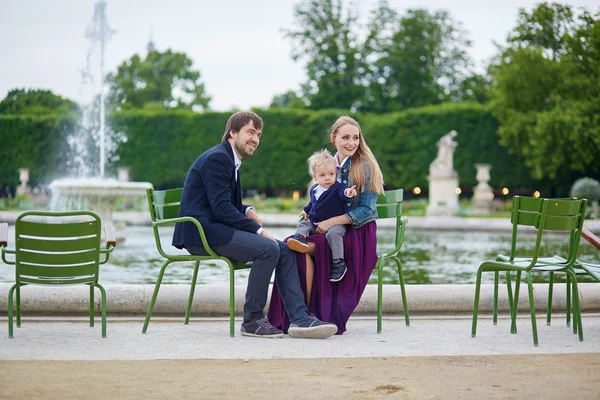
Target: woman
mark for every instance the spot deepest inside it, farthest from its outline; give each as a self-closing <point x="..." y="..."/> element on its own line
<point x="335" y="302"/>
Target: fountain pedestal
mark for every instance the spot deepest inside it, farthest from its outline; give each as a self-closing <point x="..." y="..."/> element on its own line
<point x="482" y="194"/>
<point x="98" y="195"/>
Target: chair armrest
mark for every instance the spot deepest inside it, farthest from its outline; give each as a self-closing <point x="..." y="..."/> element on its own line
<point x="587" y="235"/>
<point x="4" y="234"/>
<point x="194" y="221"/>
<point x="110" y="236"/>
<point x="4" y="243"/>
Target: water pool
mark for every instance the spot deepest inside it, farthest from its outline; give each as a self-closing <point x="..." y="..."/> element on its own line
<point x="428" y="257"/>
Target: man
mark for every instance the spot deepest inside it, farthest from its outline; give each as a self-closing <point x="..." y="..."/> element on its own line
<point x="212" y="195"/>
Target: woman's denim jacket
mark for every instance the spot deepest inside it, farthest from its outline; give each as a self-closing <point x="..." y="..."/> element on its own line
<point x="360" y="209"/>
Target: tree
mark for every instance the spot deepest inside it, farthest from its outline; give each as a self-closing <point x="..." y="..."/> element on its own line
<point x="326" y="40"/>
<point x="166" y="79"/>
<point x="288" y="99"/>
<point x="546" y="91"/>
<point x="424" y="61"/>
<point x="24" y="101"/>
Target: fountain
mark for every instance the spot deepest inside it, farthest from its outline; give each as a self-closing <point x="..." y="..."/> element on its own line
<point x="95" y="193"/>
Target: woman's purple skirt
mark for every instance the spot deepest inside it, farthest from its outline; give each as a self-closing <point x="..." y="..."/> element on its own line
<point x="333" y="301"/>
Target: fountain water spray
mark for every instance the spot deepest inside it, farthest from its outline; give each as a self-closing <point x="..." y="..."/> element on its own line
<point x="95" y="193"/>
<point x="99" y="32"/>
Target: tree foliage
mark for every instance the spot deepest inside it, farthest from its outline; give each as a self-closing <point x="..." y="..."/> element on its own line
<point x="547" y="90"/>
<point x="423" y="62"/>
<point x="288" y="99"/>
<point x="417" y="59"/>
<point x="164" y="80"/>
<point x="24" y="101"/>
<point x="326" y="40"/>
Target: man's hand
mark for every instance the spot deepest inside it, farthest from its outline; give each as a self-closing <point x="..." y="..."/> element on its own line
<point x="267" y="235"/>
<point x="253" y="215"/>
<point x="351" y="191"/>
<point x="303" y="216"/>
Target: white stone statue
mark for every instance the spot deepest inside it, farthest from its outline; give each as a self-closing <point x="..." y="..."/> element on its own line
<point x="23" y="189"/>
<point x="443" y="179"/>
<point x="444" y="162"/>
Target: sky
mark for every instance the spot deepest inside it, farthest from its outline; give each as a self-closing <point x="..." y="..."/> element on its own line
<point x="237" y="45"/>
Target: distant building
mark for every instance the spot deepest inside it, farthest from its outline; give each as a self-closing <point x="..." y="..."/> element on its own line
<point x="151" y="46"/>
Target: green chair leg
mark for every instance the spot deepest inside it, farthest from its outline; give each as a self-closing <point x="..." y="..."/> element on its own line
<point x="10" y="309"/>
<point x="103" y="292"/>
<point x="568" y="307"/>
<point x="403" y="290"/>
<point x="188" y="311"/>
<point x="379" y="267"/>
<point x="509" y="292"/>
<point x="91" y="305"/>
<point x="231" y="300"/>
<point x="155" y="295"/>
<point x="515" y="303"/>
<point x="476" y="305"/>
<point x="495" y="307"/>
<point x="532" y="309"/>
<point x="576" y="307"/>
<point x="550" y="290"/>
<point x="18" y="306"/>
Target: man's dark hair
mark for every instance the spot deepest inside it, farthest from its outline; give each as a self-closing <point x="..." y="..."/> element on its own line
<point x="238" y="120"/>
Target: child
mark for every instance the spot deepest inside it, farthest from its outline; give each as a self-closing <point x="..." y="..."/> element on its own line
<point x="327" y="198"/>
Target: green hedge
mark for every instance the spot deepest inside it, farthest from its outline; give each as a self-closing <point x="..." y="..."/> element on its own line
<point x="34" y="142"/>
<point x="161" y="146"/>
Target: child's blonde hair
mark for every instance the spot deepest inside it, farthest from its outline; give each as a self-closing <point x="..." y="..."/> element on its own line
<point x="319" y="158"/>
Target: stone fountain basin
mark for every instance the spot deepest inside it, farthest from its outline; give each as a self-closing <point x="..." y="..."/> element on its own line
<point x="99" y="187"/>
<point x="98" y="195"/>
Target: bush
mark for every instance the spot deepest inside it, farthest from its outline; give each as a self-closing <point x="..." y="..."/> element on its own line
<point x="587" y="188"/>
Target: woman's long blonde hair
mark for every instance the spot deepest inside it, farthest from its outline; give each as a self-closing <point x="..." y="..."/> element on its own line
<point x="363" y="154"/>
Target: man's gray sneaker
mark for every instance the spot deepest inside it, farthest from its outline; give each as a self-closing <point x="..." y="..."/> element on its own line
<point x="311" y="328"/>
<point x="260" y="328"/>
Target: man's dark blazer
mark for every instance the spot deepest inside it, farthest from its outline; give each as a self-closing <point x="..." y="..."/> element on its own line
<point x="212" y="195"/>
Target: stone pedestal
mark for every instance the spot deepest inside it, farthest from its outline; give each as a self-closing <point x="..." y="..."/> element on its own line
<point x="123" y="174"/>
<point x="482" y="194"/>
<point x="443" y="200"/>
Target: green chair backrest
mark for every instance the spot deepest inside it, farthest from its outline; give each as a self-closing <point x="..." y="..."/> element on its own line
<point x="57" y="248"/>
<point x="164" y="204"/>
<point x="389" y="205"/>
<point x="548" y="215"/>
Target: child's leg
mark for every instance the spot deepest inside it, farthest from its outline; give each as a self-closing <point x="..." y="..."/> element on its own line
<point x="305" y="228"/>
<point x="335" y="239"/>
<point x="298" y="241"/>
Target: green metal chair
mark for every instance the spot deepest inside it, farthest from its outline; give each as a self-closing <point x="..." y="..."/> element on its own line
<point x="556" y="259"/>
<point x="164" y="209"/>
<point x="582" y="267"/>
<point x="56" y="249"/>
<point x="585" y="267"/>
<point x="543" y="215"/>
<point x="389" y="205"/>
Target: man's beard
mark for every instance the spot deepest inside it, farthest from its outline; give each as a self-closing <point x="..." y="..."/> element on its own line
<point x="241" y="149"/>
